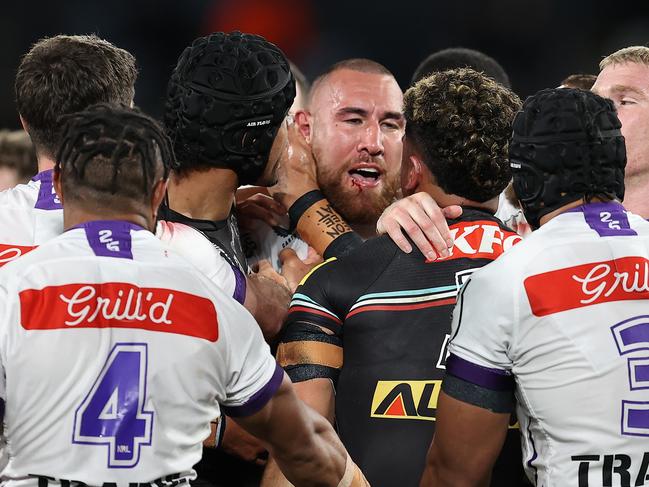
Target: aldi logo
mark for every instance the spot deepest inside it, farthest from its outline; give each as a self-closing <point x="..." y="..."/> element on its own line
<point x="415" y="399"/>
<point x="412" y="399"/>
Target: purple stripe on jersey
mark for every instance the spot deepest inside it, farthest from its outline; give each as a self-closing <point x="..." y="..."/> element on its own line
<point x="530" y="462"/>
<point x="495" y="379"/>
<point x="110" y="238"/>
<point x="607" y="219"/>
<point x="259" y="399"/>
<point x="240" y="285"/>
<point x="47" y="198"/>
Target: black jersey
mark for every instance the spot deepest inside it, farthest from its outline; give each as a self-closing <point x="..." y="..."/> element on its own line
<point x="224" y="234"/>
<point x="377" y="322"/>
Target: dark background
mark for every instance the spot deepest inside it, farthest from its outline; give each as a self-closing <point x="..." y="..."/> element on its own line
<point x="539" y="42"/>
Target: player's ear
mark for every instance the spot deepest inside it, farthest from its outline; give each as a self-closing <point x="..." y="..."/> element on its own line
<point x="413" y="174"/>
<point x="303" y="120"/>
<point x="23" y="123"/>
<point x="158" y="194"/>
<point x="56" y="182"/>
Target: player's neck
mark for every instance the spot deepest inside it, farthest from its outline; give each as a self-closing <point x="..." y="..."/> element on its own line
<point x="635" y="195"/>
<point x="44" y="163"/>
<point x="444" y="199"/>
<point x="74" y="215"/>
<point x="203" y="195"/>
<point x="546" y="218"/>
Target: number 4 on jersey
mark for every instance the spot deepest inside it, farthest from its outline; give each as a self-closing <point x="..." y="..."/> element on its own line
<point x="112" y="412"/>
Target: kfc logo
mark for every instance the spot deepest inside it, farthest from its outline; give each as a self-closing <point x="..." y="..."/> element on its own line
<point x="480" y="240"/>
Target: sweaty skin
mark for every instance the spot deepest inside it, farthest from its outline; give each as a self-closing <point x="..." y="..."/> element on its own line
<point x="627" y="84"/>
<point x="359" y="172"/>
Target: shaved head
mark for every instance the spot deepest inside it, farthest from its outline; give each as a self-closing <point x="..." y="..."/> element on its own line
<point x="355" y="125"/>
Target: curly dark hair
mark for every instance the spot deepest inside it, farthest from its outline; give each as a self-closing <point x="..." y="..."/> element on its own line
<point x="461" y="122"/>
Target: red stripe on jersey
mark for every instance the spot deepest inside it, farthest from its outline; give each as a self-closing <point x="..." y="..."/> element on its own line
<point x="118" y="305"/>
<point x="621" y="279"/>
<point x="12" y="252"/>
<point x="294" y="309"/>
<point x="480" y="239"/>
<point x="402" y="307"/>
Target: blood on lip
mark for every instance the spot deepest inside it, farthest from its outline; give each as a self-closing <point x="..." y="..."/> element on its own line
<point x="363" y="182"/>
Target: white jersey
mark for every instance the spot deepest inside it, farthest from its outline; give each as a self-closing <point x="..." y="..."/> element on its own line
<point x="512" y="217"/>
<point x="566" y="313"/>
<point x="197" y="249"/>
<point x="261" y="241"/>
<point x="116" y="354"/>
<point x="31" y="214"/>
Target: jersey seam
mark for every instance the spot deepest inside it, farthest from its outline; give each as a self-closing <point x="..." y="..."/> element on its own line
<point x="379" y="275"/>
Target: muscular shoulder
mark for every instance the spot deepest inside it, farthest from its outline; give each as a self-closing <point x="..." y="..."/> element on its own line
<point x="190" y="244"/>
<point x="342" y="279"/>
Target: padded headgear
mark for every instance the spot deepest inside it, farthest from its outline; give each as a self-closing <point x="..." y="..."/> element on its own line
<point x="566" y="145"/>
<point x="226" y="99"/>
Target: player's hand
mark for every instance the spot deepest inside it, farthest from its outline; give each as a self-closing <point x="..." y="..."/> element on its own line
<point x="245" y="192"/>
<point x="238" y="442"/>
<point x="423" y="220"/>
<point x="262" y="207"/>
<point x="265" y="269"/>
<point x="296" y="174"/>
<point x="294" y="268"/>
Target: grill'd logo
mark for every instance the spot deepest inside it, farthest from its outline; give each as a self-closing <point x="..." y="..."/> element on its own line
<point x="623" y="279"/>
<point x="415" y="399"/>
<point x="118" y="305"/>
<point x="12" y="252"/>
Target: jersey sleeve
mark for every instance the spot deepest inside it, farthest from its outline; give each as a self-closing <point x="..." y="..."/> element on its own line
<point x="311" y="344"/>
<point x="195" y="248"/>
<point x="253" y="375"/>
<point x="478" y="369"/>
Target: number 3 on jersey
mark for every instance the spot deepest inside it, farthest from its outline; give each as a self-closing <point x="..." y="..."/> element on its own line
<point x="632" y="337"/>
<point x="112" y="413"/>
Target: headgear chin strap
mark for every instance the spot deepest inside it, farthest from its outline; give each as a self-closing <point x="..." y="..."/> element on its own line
<point x="566" y="145"/>
<point x="226" y="100"/>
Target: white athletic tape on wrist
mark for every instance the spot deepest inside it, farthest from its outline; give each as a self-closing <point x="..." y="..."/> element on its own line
<point x="348" y="477"/>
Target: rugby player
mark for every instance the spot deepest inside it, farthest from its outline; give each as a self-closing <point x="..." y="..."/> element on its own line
<point x="624" y="78"/>
<point x="59" y="75"/>
<point x="461" y="57"/>
<point x="225" y="113"/>
<point x="264" y="223"/>
<point x="18" y="163"/>
<point x="566" y="336"/>
<point x="384" y="310"/>
<point x="326" y="186"/>
<point x="115" y="353"/>
<point x="579" y="80"/>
